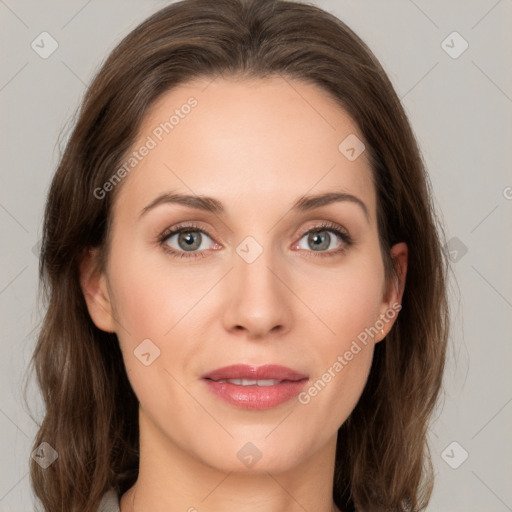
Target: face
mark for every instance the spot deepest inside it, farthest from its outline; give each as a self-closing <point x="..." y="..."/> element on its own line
<point x="257" y="280"/>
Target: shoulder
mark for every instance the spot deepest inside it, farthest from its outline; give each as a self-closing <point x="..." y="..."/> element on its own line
<point x="109" y="502"/>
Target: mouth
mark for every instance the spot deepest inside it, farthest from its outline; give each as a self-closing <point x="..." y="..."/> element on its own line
<point x="251" y="382"/>
<point x="250" y="387"/>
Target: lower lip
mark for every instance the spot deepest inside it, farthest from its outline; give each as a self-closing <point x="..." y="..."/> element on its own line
<point x="256" y="397"/>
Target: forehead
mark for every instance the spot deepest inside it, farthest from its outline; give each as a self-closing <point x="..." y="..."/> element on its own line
<point x="247" y="142"/>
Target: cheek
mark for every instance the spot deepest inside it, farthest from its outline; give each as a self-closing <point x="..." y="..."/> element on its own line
<point x="148" y="300"/>
<point x="349" y="307"/>
<point x="347" y="299"/>
<point x="343" y="359"/>
<point x="151" y="305"/>
<point x="340" y="387"/>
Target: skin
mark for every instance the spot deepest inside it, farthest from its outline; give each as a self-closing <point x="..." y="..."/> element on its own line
<point x="256" y="146"/>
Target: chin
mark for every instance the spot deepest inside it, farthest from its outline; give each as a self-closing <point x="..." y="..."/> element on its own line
<point x="254" y="457"/>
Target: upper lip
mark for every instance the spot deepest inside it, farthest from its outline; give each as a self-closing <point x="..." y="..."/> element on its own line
<point x="244" y="371"/>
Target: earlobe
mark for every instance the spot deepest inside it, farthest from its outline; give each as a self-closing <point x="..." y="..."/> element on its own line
<point x="94" y="287"/>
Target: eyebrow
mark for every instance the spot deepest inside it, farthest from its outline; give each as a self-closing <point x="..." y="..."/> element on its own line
<point x="209" y="204"/>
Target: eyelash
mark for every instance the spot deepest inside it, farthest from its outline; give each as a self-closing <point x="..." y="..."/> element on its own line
<point x="324" y="226"/>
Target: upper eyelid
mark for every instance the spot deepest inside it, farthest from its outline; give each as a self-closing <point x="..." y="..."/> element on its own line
<point x="324" y="225"/>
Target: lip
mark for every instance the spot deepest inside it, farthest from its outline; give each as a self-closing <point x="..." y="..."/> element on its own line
<point x="253" y="396"/>
<point x="244" y="371"/>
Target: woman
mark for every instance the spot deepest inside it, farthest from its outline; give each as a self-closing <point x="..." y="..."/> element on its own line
<point x="243" y="268"/>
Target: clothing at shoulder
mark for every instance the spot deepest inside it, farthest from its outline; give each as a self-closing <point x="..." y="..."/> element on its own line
<point x="109" y="502"/>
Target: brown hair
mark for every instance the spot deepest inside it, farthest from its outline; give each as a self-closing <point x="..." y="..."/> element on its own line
<point x="382" y="459"/>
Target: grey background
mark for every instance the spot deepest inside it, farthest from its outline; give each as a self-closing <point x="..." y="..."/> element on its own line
<point x="460" y="110"/>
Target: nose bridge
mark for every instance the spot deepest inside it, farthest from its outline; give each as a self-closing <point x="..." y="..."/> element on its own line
<point x="258" y="299"/>
<point x="254" y="263"/>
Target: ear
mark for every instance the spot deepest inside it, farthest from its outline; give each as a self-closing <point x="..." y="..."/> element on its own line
<point x="392" y="302"/>
<point x="95" y="290"/>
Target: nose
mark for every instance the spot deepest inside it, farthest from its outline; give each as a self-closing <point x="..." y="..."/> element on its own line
<point x="259" y="300"/>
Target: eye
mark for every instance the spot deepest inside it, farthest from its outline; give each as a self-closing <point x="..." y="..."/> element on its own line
<point x="324" y="244"/>
<point x="189" y="241"/>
